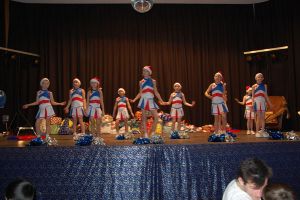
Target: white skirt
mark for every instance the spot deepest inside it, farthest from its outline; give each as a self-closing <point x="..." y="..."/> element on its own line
<point x="259" y="105"/>
<point x="249" y="114"/>
<point x="122" y="114"/>
<point x="177" y="113"/>
<point x="219" y="108"/>
<point x="94" y="112"/>
<point x="147" y="104"/>
<point x="45" y="112"/>
<point x="77" y="112"/>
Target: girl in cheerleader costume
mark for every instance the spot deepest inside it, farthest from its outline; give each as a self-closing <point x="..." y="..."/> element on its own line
<point x="45" y="100"/>
<point x="121" y="105"/>
<point x="259" y="98"/>
<point x="176" y="99"/>
<point x="146" y="95"/>
<point x="94" y="105"/>
<point x="76" y="105"/>
<point x="249" y="113"/>
<point x="217" y="93"/>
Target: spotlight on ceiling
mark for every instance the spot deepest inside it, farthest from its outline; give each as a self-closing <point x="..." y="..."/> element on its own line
<point x="142" y="6"/>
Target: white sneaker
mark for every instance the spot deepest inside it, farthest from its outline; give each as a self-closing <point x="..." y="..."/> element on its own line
<point x="264" y="134"/>
<point x="252" y="132"/>
<point x="257" y="134"/>
<point x="248" y="132"/>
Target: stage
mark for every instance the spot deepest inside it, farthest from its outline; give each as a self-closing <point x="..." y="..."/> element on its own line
<point x="179" y="169"/>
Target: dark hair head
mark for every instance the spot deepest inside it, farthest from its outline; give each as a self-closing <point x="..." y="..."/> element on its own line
<point x="278" y="192"/>
<point x="20" y="190"/>
<point x="255" y="171"/>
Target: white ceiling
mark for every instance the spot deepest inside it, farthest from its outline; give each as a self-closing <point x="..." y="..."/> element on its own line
<point x="156" y="1"/>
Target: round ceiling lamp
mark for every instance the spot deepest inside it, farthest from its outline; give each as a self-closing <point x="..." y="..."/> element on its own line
<point x="142" y="6"/>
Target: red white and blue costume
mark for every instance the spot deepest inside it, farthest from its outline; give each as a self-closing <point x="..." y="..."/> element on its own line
<point x="45" y="107"/>
<point x="122" y="108"/>
<point x="176" y="108"/>
<point x="94" y="109"/>
<point x="259" y="103"/>
<point x="147" y="97"/>
<point x="249" y="113"/>
<point x="218" y="106"/>
<point x="77" y="103"/>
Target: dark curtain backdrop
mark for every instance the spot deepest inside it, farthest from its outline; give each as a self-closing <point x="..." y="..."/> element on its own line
<point x="183" y="43"/>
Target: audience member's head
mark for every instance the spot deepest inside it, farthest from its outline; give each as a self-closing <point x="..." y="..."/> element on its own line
<point x="253" y="177"/>
<point x="278" y="192"/>
<point x="20" y="190"/>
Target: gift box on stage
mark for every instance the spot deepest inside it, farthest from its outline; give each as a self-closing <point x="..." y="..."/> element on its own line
<point x="167" y="129"/>
<point x="43" y="125"/>
<point x="55" y="120"/>
<point x="64" y="129"/>
<point x="138" y="115"/>
<point x="54" y="129"/>
<point x="107" y="119"/>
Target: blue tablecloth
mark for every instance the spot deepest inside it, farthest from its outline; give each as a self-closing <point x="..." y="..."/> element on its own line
<point x="143" y="172"/>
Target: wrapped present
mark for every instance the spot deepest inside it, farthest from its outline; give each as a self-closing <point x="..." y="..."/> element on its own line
<point x="43" y="126"/>
<point x="138" y="115"/>
<point x="133" y="123"/>
<point x="67" y="122"/>
<point x="55" y="120"/>
<point x="65" y="127"/>
<point x="159" y="129"/>
<point x="184" y="135"/>
<point x="54" y="129"/>
<point x="107" y="119"/>
<point x="167" y="129"/>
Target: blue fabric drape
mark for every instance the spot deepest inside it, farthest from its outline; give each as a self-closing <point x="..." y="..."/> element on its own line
<point x="143" y="172"/>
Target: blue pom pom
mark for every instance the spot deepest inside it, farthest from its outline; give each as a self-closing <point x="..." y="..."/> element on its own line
<point x="165" y="117"/>
<point x="146" y="140"/>
<point x="85" y="140"/>
<point x="141" y="141"/>
<point x="138" y="141"/>
<point x="36" y="142"/>
<point x="175" y="135"/>
<point x="231" y="134"/>
<point x="157" y="139"/>
<point x="120" y="137"/>
<point x="275" y="134"/>
<point x="216" y="138"/>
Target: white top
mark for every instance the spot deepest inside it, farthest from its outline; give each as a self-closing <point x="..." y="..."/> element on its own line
<point x="234" y="192"/>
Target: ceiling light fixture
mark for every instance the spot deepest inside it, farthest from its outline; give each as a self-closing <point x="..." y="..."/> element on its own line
<point x="142" y="6"/>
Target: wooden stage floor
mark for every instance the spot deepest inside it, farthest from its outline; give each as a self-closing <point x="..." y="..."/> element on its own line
<point x="109" y="139"/>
